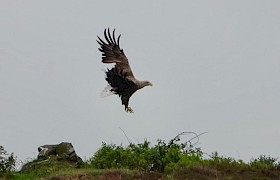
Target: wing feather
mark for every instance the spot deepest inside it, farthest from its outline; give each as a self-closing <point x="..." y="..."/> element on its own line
<point x="114" y="37"/>
<point x="112" y="53"/>
<point x="119" y="40"/>
<point x="111" y="40"/>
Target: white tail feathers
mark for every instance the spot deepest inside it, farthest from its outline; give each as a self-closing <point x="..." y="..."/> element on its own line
<point x="107" y="91"/>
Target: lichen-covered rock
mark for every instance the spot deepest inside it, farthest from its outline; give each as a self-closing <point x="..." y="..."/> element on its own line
<point x="64" y="149"/>
<point x="46" y="151"/>
<point x="54" y="153"/>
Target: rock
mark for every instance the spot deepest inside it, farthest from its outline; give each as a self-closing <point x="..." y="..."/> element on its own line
<point x="54" y="153"/>
<point x="46" y="151"/>
<point x="64" y="149"/>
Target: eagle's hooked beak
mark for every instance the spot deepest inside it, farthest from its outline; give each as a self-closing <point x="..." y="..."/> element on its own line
<point x="150" y="84"/>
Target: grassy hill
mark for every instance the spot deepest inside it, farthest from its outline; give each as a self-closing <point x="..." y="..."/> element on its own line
<point x="54" y="170"/>
<point x="172" y="160"/>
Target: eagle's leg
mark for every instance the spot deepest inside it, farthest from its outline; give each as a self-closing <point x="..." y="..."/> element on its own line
<point x="128" y="109"/>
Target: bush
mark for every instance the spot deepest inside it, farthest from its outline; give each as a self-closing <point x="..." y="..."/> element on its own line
<point x="140" y="156"/>
<point x="264" y="162"/>
<point x="186" y="160"/>
<point x="224" y="163"/>
<point x="7" y="163"/>
<point x="171" y="156"/>
<point x="143" y="156"/>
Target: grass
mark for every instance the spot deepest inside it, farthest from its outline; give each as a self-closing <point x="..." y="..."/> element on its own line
<point x="191" y="172"/>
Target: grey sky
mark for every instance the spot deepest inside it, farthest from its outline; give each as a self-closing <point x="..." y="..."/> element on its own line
<point x="214" y="65"/>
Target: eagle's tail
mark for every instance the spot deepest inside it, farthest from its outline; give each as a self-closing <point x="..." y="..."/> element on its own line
<point x="107" y="91"/>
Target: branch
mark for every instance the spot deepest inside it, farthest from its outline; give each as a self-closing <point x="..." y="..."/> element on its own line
<point x="125" y="135"/>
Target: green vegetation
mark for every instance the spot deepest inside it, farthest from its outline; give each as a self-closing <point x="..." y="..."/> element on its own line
<point x="172" y="160"/>
<point x="144" y="157"/>
<point x="7" y="162"/>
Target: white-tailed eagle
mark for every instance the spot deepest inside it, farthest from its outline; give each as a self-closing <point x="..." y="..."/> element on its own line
<point x="120" y="78"/>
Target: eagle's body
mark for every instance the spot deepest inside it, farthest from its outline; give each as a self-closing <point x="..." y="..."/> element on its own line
<point x="120" y="78"/>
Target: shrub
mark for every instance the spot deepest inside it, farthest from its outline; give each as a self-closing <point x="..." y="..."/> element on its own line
<point x="133" y="156"/>
<point x="7" y="162"/>
<point x="173" y="156"/>
<point x="264" y="162"/>
<point x="223" y="163"/>
<point x="143" y="156"/>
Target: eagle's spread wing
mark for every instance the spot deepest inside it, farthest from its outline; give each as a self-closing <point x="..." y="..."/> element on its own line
<point x="112" y="53"/>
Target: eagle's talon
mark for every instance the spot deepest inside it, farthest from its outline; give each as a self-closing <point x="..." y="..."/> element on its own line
<point x="129" y="110"/>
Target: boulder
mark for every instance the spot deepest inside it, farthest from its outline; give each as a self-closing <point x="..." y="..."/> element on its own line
<point x="64" y="149"/>
<point x="52" y="154"/>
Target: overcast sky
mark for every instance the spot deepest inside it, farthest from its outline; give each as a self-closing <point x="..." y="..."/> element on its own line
<point x="215" y="67"/>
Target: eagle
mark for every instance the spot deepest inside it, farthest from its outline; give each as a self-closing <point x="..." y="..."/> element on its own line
<point x="120" y="78"/>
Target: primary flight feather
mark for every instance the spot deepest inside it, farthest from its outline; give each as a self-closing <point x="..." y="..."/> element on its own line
<point x="120" y="78"/>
